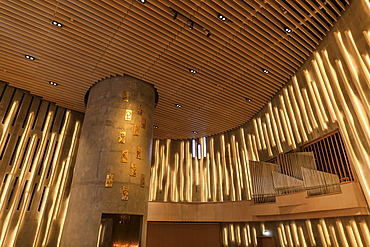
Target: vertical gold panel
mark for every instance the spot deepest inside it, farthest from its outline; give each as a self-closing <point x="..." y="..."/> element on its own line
<point x="342" y="234"/>
<point x="133" y="170"/>
<point x="125" y="96"/>
<point x="109" y="180"/>
<point x="124" y="156"/>
<point x="139" y="153"/>
<point x="139" y="109"/>
<point x="142" y="181"/>
<point x="125" y="193"/>
<point x="136" y="129"/>
<point x="128" y="115"/>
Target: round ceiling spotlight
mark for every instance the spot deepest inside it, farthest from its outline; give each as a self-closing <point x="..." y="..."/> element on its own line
<point x="53" y="83"/>
<point x="142" y="1"/>
<point x="265" y="71"/>
<point x="221" y="17"/>
<point x="58" y="24"/>
<point x="248" y="99"/>
<point x="193" y="71"/>
<point x="178" y="106"/>
<point x="155" y="126"/>
<point x="29" y="57"/>
<point x="195" y="132"/>
<point x="287" y="29"/>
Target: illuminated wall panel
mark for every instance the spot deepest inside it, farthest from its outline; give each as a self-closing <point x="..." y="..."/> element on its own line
<point x="37" y="155"/>
<point x="330" y="91"/>
<point x="339" y="232"/>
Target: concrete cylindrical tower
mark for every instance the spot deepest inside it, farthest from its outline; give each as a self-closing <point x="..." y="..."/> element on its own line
<point x="113" y="161"/>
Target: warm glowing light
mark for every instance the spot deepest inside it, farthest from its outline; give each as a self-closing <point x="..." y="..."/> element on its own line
<point x="333" y="236"/>
<point x="256" y="131"/>
<point x="259" y="124"/>
<point x="342" y="235"/>
<point x="365" y="232"/>
<point x="310" y="233"/>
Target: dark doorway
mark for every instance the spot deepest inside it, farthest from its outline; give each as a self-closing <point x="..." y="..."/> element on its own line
<point x="120" y="230"/>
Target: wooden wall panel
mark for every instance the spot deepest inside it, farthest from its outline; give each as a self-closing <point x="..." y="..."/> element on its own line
<point x="183" y="234"/>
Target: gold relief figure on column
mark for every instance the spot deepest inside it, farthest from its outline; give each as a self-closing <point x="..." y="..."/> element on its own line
<point x="142" y="181"/>
<point x="128" y="115"/>
<point x="139" y="109"/>
<point x="122" y="137"/>
<point x="109" y="180"/>
<point x="124" y="157"/>
<point x="143" y="123"/>
<point x="125" y="96"/>
<point x="133" y="170"/>
<point x="125" y="193"/>
<point x="139" y="153"/>
<point x="136" y="129"/>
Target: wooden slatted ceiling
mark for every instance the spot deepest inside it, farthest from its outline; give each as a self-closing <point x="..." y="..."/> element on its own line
<point x="114" y="37"/>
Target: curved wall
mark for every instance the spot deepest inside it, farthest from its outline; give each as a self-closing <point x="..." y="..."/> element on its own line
<point x="331" y="91"/>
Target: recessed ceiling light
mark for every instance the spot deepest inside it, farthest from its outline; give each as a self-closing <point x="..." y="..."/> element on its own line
<point x="58" y="24"/>
<point x="195" y="132"/>
<point x="53" y="83"/>
<point x="221" y="17"/>
<point x="247" y="99"/>
<point x="287" y="29"/>
<point x="265" y="71"/>
<point x="142" y="1"/>
<point x="177" y="105"/>
<point x="29" y="57"/>
<point x="193" y="71"/>
<point x="155" y="126"/>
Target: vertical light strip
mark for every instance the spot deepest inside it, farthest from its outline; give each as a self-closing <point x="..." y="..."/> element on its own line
<point x="291" y="119"/>
<point x="315" y="100"/>
<point x="238" y="187"/>
<point x="257" y="134"/>
<point x="232" y="233"/>
<point x="238" y="235"/>
<point x="6" y="125"/>
<point x="351" y="235"/>
<point x="309" y="109"/>
<point x="193" y="148"/>
<point x="225" y="236"/>
<point x="281" y="239"/>
<point x="367" y="35"/>
<point x="297" y="114"/>
<point x="15" y="166"/>
<point x="221" y="172"/>
<point x="301" y="103"/>
<point x="325" y="84"/>
<point x="320" y="104"/>
<point x="322" y="236"/>
<point x="199" y="151"/>
<point x="174" y="179"/>
<point x="259" y="124"/>
<point x="365" y="71"/>
<point x="333" y="236"/>
<point x="286" y="123"/>
<point x="232" y="192"/>
<point x="289" y="236"/>
<point x="342" y="235"/>
<point x="275" y="129"/>
<point x="285" y="127"/>
<point x="33" y="175"/>
<point x="302" y="237"/>
<point x="223" y="155"/>
<point x="280" y="126"/>
<point x="365" y="232"/>
<point x="162" y="167"/>
<point x="283" y="234"/>
<point x="182" y="175"/>
<point x="356" y="232"/>
<point x="214" y="169"/>
<point x="255" y="147"/>
<point x="295" y="234"/>
<point x="310" y="233"/>
<point x="267" y="139"/>
<point x="239" y="164"/>
<point x="245" y="236"/>
<point x="326" y="232"/>
<point x="8" y="236"/>
<point x="196" y="166"/>
<point x="269" y="130"/>
<point x="204" y="147"/>
<point x="254" y="236"/>
<point x="247" y="177"/>
<point x="353" y="70"/>
<point x="250" y="148"/>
